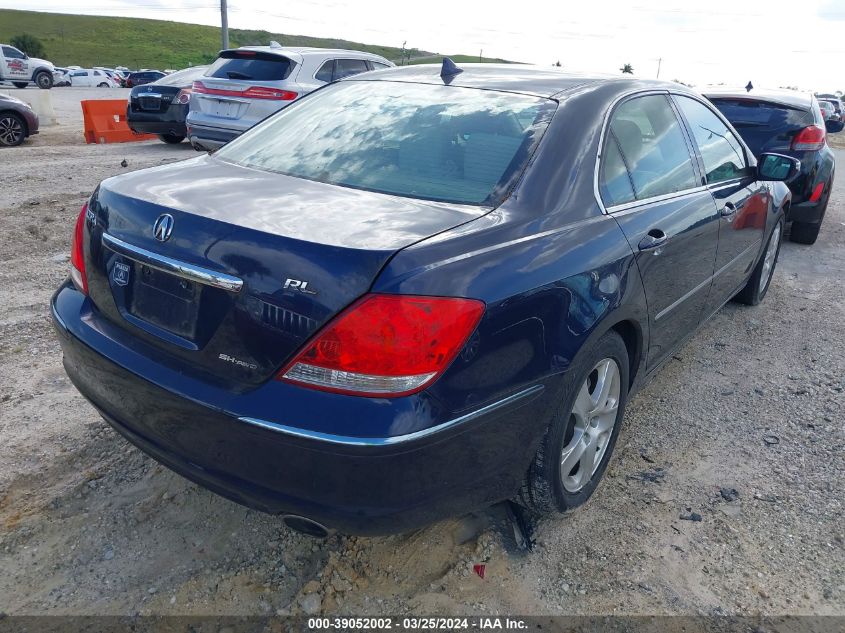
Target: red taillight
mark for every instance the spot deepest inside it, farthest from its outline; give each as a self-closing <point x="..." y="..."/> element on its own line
<point x="253" y="92"/>
<point x="386" y="345"/>
<point x="77" y="259"/>
<point x="184" y="96"/>
<point x="817" y="192"/>
<point x="810" y="139"/>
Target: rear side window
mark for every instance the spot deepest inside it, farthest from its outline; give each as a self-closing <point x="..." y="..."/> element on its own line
<point x="615" y="183"/>
<point x="721" y="151"/>
<point x="326" y="71"/>
<point x="250" y="66"/>
<point x="348" y="67"/>
<point x="652" y="146"/>
<point x="458" y="145"/>
<point x="378" y="65"/>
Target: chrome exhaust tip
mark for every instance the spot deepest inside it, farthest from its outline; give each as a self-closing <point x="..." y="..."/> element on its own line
<point x="305" y="526"/>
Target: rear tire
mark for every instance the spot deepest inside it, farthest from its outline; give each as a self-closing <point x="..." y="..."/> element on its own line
<point x="12" y="129"/>
<point x="172" y="139"/>
<point x="20" y="84"/>
<point x="804" y="232"/>
<point x="103" y="85"/>
<point x="582" y="431"/>
<point x="761" y="278"/>
<point x="44" y="80"/>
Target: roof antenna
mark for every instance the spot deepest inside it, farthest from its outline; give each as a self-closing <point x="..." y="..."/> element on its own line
<point x="749" y="87"/>
<point x="449" y="70"/>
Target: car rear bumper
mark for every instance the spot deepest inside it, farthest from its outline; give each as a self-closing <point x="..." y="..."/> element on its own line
<point x="355" y="485"/>
<point x="209" y="138"/>
<point x="167" y="122"/>
<point x="808" y="212"/>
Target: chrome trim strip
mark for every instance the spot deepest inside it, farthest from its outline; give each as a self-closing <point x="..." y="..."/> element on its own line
<point x="679" y="301"/>
<point x="627" y="207"/>
<point x="348" y="440"/>
<point x="174" y="266"/>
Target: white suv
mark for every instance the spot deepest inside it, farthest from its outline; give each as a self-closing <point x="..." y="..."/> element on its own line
<point x="246" y="85"/>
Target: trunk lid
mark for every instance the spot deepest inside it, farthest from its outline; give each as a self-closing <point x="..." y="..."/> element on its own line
<point x="303" y="251"/>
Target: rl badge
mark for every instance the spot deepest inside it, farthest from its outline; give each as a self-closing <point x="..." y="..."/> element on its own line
<point x="120" y="273"/>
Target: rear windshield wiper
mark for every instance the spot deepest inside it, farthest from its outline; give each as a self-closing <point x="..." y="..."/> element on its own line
<point x="234" y="74"/>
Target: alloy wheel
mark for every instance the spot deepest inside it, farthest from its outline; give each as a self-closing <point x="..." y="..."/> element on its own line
<point x="769" y="259"/>
<point x="591" y="425"/>
<point x="11" y="130"/>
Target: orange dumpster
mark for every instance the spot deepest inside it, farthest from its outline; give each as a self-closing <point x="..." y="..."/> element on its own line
<point x="104" y="121"/>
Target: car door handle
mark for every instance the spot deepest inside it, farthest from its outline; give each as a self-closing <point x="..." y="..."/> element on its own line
<point x="653" y="239"/>
<point x="728" y="210"/>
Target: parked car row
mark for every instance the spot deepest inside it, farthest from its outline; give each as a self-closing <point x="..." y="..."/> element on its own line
<point x="415" y="292"/>
<point x="242" y="87"/>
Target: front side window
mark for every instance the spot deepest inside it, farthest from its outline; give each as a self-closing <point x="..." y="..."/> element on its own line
<point x="378" y="65"/>
<point x="452" y="144"/>
<point x="721" y="151"/>
<point x="12" y="53"/>
<point x="652" y="146"/>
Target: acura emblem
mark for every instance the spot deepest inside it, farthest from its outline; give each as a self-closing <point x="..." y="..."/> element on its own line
<point x="163" y="227"/>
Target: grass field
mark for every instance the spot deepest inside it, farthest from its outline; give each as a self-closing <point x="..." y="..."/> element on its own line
<point x="86" y="40"/>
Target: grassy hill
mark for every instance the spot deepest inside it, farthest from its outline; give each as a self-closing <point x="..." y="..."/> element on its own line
<point x="87" y="40"/>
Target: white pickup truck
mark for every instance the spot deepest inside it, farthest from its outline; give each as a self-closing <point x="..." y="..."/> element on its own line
<point x="21" y="69"/>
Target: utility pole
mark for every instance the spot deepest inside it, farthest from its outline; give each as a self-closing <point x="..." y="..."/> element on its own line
<point x="224" y="24"/>
<point x="480" y="53"/>
<point x="659" y="61"/>
<point x="402" y="62"/>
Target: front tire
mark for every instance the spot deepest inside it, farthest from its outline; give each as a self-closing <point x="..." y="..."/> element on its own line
<point x="44" y="80"/>
<point x="12" y="129"/>
<point x="172" y="139"/>
<point x="761" y="278"/>
<point x="578" y="444"/>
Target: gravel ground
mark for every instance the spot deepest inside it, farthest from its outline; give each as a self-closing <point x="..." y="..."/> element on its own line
<point x="744" y="427"/>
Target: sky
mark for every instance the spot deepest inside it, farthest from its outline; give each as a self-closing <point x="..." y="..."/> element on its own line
<point x="772" y="43"/>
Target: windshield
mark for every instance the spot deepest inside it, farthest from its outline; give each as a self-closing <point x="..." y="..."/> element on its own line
<point x="456" y="145"/>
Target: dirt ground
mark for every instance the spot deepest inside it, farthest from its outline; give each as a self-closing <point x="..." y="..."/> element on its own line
<point x="90" y="525"/>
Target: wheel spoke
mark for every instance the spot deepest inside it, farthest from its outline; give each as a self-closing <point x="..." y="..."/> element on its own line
<point x="587" y="461"/>
<point x="605" y="422"/>
<point x="572" y="453"/>
<point x="583" y="403"/>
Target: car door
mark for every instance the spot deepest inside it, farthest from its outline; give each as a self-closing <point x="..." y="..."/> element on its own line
<point x="17" y="63"/>
<point x="79" y="78"/>
<point x="650" y="183"/>
<point x="741" y="200"/>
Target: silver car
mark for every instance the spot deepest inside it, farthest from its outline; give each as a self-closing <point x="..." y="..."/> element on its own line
<point x="245" y="85"/>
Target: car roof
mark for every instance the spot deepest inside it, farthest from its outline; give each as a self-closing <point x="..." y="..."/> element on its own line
<point x="300" y="52"/>
<point x="519" y="78"/>
<point x="790" y="98"/>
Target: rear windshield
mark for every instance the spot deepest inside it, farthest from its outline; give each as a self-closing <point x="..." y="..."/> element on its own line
<point x="250" y="66"/>
<point x="457" y="145"/>
<point x="182" y="77"/>
<point x="759" y="113"/>
<point x="762" y="124"/>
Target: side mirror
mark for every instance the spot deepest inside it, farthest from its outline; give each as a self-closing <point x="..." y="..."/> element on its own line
<point x="834" y="127"/>
<point x="777" y="167"/>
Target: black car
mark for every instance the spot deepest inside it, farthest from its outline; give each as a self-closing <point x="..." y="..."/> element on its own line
<point x="161" y="107"/>
<point x="790" y="123"/>
<point x="416" y="291"/>
<point x="143" y="77"/>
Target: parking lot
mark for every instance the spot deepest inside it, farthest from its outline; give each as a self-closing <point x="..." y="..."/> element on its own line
<point x="753" y="403"/>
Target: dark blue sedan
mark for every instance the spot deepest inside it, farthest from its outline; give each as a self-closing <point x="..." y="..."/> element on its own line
<point x="417" y="291"/>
